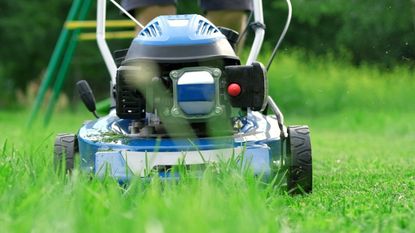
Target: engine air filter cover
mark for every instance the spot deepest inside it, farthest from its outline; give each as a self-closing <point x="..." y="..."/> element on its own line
<point x="196" y="93"/>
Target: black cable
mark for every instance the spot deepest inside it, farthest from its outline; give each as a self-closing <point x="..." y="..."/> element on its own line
<point x="95" y="114"/>
<point x="245" y="30"/>
<point x="284" y="32"/>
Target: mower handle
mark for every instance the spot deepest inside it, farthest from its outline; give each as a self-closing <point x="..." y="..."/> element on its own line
<point x="109" y="60"/>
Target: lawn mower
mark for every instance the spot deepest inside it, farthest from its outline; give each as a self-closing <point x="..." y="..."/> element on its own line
<point x="180" y="95"/>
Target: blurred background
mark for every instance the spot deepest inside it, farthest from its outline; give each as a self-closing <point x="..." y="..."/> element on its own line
<point x="346" y="69"/>
<point x="353" y="34"/>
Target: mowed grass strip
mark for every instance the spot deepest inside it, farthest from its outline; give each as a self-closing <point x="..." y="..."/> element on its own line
<point x="364" y="171"/>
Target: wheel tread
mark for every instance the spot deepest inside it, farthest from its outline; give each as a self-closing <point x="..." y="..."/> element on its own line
<point x="65" y="147"/>
<point x="299" y="162"/>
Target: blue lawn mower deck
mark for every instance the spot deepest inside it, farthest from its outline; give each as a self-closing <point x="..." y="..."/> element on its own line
<point x="181" y="96"/>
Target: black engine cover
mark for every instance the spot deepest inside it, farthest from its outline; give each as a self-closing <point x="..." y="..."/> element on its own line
<point x="254" y="85"/>
<point x="131" y="103"/>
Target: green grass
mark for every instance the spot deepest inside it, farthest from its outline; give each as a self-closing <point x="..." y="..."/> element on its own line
<point x="325" y="86"/>
<point x="363" y="139"/>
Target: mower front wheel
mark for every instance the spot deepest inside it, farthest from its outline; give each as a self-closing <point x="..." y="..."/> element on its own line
<point x="299" y="160"/>
<point x="65" y="149"/>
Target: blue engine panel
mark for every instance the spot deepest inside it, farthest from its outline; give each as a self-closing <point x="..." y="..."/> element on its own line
<point x="180" y="38"/>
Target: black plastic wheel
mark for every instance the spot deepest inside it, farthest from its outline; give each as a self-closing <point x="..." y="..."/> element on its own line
<point x="299" y="160"/>
<point x="65" y="149"/>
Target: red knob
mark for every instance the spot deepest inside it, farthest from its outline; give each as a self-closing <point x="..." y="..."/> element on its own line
<point x="234" y="89"/>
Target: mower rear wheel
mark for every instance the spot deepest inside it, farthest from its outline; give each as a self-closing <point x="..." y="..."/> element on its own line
<point x="65" y="149"/>
<point x="299" y="160"/>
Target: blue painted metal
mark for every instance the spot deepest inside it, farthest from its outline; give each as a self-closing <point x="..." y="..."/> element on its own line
<point x="176" y="30"/>
<point x="102" y="141"/>
<point x="113" y="163"/>
<point x="196" y="92"/>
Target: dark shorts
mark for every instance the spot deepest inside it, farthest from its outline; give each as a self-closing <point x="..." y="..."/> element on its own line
<point x="206" y="5"/>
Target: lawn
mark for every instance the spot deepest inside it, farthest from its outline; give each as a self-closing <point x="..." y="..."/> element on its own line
<point x="363" y="136"/>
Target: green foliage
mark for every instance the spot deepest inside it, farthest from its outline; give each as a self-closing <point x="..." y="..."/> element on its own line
<point x="373" y="31"/>
<point x="7" y="86"/>
<point x="29" y="30"/>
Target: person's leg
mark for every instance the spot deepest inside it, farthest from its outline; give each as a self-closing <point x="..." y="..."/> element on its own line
<point x="227" y="13"/>
<point x="232" y="19"/>
<point x="146" y="14"/>
<point x="146" y="10"/>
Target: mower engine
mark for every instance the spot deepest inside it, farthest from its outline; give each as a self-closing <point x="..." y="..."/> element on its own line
<point x="182" y="97"/>
<point x="183" y="70"/>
